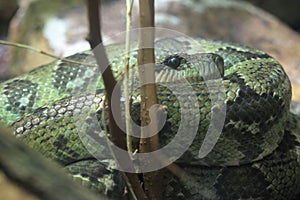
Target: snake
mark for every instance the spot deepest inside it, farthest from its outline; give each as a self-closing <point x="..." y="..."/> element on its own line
<point x="232" y="97"/>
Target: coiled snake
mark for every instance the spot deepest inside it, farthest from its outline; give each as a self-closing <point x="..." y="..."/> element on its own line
<point x="256" y="155"/>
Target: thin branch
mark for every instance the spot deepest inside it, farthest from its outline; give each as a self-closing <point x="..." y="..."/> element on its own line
<point x="94" y="37"/>
<point x="152" y="180"/>
<point x="127" y="90"/>
<point x="117" y="138"/>
<point x="24" y="46"/>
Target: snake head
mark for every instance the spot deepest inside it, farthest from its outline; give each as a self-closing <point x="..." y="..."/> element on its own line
<point x="195" y="67"/>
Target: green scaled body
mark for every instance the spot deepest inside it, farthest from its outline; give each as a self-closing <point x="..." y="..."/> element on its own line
<point x="256" y="156"/>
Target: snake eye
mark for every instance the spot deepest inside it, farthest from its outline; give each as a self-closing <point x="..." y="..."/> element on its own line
<point x="173" y="61"/>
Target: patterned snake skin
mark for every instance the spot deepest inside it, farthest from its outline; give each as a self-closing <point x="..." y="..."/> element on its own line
<point x="256" y="155"/>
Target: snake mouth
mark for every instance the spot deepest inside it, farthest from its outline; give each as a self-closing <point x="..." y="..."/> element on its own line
<point x="193" y="68"/>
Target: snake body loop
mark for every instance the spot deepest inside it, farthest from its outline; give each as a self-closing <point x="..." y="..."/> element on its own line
<point x="257" y="152"/>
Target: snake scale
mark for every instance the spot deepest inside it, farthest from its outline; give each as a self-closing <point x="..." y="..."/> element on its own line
<point x="256" y="156"/>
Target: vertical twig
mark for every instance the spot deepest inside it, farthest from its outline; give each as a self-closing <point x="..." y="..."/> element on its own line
<point x="152" y="180"/>
<point x="95" y="41"/>
<point x="129" y="4"/>
<point x="117" y="138"/>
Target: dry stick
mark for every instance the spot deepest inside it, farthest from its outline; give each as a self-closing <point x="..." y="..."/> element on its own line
<point x="110" y="83"/>
<point x="127" y="90"/>
<point x="37" y="175"/>
<point x="152" y="180"/>
<point x="24" y="46"/>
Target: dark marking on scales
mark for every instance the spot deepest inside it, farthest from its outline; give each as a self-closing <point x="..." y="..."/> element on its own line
<point x="21" y="96"/>
<point x="234" y="55"/>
